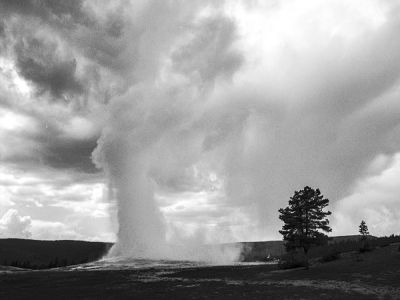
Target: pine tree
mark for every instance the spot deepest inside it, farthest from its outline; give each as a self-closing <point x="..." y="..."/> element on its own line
<point x="363" y="229"/>
<point x="303" y="219"/>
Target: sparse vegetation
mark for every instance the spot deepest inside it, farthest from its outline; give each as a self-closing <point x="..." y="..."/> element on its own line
<point x="365" y="243"/>
<point x="366" y="247"/>
<point x="363" y="230"/>
<point x="304" y="219"/>
<point x="333" y="255"/>
<point x="293" y="259"/>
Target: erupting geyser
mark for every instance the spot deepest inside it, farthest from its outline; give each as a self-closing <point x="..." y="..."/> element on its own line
<point x="141" y="230"/>
<point x="136" y="149"/>
<point x="145" y="143"/>
<point x="156" y="130"/>
<point x="253" y="94"/>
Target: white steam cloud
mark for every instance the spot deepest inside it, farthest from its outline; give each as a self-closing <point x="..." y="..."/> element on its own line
<point x="265" y="99"/>
<point x="155" y="132"/>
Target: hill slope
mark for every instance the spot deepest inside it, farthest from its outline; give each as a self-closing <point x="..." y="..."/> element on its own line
<point x="38" y="254"/>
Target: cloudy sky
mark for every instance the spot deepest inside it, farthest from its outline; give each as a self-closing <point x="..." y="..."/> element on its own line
<point x="198" y="117"/>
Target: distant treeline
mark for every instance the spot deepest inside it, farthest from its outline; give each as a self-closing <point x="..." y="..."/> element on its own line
<point x="348" y="245"/>
<point x="52" y="264"/>
<point x="273" y="250"/>
<point x="34" y="254"/>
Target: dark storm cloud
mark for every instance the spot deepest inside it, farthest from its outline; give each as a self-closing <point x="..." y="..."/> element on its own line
<point x="58" y="11"/>
<point x="56" y="152"/>
<point x="68" y="52"/>
<point x="37" y="62"/>
<point x="66" y="48"/>
<point x="2" y="30"/>
<point x="70" y="154"/>
<point x="45" y="41"/>
<point x="47" y="141"/>
<point x="59" y="151"/>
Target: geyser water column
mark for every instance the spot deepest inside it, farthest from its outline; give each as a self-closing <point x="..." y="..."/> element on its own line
<point x="141" y="232"/>
<point x="121" y="152"/>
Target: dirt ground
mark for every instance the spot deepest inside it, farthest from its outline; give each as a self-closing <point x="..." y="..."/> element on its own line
<point x="373" y="275"/>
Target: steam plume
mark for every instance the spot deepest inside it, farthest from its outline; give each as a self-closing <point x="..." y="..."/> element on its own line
<point x="266" y="117"/>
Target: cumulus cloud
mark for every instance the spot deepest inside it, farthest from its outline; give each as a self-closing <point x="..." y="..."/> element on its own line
<point x="46" y="230"/>
<point x="15" y="226"/>
<point x="74" y="203"/>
